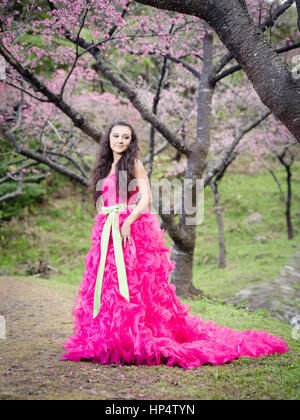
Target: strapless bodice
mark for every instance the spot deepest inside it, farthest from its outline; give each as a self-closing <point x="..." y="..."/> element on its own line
<point x="109" y="193"/>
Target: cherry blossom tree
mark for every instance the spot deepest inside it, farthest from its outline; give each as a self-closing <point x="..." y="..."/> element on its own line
<point x="59" y="146"/>
<point x="95" y="30"/>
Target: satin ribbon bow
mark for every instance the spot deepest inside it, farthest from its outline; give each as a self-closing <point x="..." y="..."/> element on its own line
<point x="117" y="241"/>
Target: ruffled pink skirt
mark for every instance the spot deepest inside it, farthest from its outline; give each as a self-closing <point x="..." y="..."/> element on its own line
<point x="154" y="327"/>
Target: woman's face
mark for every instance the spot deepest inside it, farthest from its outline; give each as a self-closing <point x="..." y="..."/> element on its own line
<point x="120" y="138"/>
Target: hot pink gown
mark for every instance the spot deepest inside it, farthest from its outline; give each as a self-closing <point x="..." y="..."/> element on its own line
<point x="154" y="326"/>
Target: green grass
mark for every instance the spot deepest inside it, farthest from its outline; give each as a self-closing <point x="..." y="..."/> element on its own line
<point x="240" y="196"/>
<point x="271" y="377"/>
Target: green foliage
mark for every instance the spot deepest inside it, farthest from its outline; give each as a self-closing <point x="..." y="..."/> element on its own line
<point x="33" y="193"/>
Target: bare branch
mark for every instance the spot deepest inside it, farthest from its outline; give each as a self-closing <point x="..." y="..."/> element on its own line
<point x="77" y="118"/>
<point x="14" y="194"/>
<point x="76" y="164"/>
<point x="283" y="197"/>
<point x="238" y="137"/>
<point x="76" y="57"/>
<point x="132" y="94"/>
<point x="27" y="93"/>
<point x="269" y="21"/>
<point x="237" y="67"/>
<point x="44" y="159"/>
<point x="165" y="144"/>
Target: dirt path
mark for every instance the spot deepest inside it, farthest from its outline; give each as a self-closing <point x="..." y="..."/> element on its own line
<point x="38" y="320"/>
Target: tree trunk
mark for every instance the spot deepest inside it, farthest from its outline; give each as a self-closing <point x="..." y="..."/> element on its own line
<point x="83" y="200"/>
<point x="222" y="250"/>
<point x="287" y="163"/>
<point x="154" y="110"/>
<point x="182" y="276"/>
<point x="298" y="11"/>
<point x="288" y="204"/>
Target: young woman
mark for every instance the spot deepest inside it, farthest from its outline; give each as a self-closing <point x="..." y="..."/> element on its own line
<point x="126" y="311"/>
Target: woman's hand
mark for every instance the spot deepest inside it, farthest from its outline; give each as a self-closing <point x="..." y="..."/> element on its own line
<point x="126" y="232"/>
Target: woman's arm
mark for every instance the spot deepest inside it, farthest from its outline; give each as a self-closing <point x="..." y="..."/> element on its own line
<point x="145" y="193"/>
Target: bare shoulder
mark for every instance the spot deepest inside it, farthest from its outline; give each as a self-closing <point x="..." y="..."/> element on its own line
<point x="140" y="171"/>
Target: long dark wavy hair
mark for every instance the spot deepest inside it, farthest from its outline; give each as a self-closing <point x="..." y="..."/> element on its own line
<point x="104" y="160"/>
